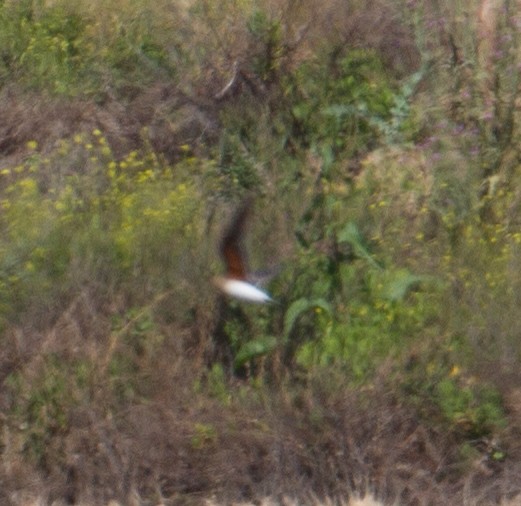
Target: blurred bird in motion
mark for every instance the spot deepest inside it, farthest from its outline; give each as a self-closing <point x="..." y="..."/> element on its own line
<point x="237" y="282"/>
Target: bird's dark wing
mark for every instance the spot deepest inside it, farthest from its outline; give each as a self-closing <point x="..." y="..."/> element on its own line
<point x="230" y="246"/>
<point x="261" y="277"/>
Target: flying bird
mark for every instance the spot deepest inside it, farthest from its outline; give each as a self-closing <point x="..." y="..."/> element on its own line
<point x="236" y="282"/>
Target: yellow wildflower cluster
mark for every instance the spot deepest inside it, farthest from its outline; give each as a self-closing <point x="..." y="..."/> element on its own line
<point x="80" y="198"/>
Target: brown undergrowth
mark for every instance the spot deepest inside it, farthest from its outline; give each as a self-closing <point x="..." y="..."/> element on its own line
<point x="152" y="424"/>
<point x="127" y="125"/>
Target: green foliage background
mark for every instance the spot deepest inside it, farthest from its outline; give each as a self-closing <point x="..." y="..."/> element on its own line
<point x="391" y="195"/>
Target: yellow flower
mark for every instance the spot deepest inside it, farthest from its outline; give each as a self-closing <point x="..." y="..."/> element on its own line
<point x="455" y="371"/>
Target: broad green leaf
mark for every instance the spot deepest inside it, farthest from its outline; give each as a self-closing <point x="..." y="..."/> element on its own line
<point x="255" y="348"/>
<point x="394" y="285"/>
<point x="351" y="235"/>
<point x="400" y="284"/>
<point x="301" y="306"/>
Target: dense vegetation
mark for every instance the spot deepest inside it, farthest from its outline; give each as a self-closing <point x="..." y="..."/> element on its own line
<point x="381" y="141"/>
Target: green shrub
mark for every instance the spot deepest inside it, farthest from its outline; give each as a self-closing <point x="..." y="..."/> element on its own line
<point x="42" y="403"/>
<point x="34" y="246"/>
<point x="340" y="100"/>
<point x="382" y="316"/>
<point x="44" y="46"/>
<point x="115" y="221"/>
<point x="474" y="409"/>
<point x="67" y="50"/>
<point x="267" y="36"/>
<point x="204" y="436"/>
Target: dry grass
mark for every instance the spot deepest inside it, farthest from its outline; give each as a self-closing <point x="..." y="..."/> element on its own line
<point x="367" y="500"/>
<point x="172" y="442"/>
<point x="147" y="119"/>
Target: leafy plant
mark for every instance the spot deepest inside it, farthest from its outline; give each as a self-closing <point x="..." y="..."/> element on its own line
<point x="255" y="348"/>
<point x="339" y="107"/>
<point x="204" y="436"/>
<point x="476" y="410"/>
<point x="43" y="403"/>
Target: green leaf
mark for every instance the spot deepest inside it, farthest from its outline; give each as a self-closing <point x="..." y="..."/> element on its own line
<point x="400" y="283"/>
<point x="255" y="348"/>
<point x="301" y="306"/>
<point x="351" y="235"/>
<point x="338" y="111"/>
